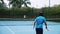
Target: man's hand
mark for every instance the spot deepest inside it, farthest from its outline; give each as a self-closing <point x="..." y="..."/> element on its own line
<point x="47" y="28"/>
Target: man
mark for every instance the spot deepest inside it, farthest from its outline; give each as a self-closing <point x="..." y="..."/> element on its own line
<point x="38" y="23"/>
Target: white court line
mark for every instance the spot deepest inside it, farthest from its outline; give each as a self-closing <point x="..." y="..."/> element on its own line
<point x="10" y="30"/>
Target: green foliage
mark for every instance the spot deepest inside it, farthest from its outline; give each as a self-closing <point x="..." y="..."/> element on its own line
<point x="52" y="12"/>
<point x="16" y="12"/>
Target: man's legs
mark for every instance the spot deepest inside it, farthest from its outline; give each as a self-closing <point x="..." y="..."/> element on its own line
<point x="39" y="31"/>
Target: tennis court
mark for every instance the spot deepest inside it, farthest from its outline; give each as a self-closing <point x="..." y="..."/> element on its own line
<point x="26" y="27"/>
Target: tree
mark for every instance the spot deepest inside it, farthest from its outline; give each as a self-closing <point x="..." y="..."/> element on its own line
<point x="13" y="2"/>
<point x="25" y="2"/>
<point x="2" y="4"/>
<point x="2" y="1"/>
<point x="19" y="3"/>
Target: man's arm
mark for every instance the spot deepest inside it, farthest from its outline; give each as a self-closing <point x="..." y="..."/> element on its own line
<point x="34" y="25"/>
<point x="46" y="25"/>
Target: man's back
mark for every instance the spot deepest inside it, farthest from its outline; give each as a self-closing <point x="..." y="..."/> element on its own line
<point x="39" y="21"/>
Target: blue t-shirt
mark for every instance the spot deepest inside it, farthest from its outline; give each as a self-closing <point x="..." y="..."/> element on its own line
<point x="39" y="21"/>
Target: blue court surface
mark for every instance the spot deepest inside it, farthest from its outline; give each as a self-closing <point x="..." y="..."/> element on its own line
<point x="26" y="27"/>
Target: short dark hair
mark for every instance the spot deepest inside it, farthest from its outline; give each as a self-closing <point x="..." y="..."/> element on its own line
<point x="40" y="14"/>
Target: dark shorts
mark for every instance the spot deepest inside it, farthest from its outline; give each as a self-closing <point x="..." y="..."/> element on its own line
<point x="39" y="31"/>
